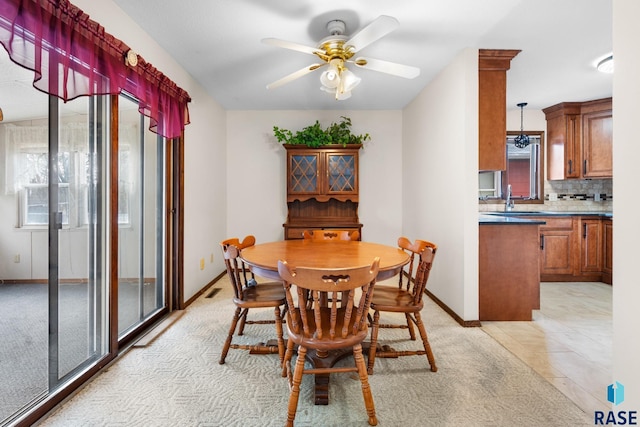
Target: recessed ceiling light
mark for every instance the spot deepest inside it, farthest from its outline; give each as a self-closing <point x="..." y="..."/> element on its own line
<point x="606" y="65"/>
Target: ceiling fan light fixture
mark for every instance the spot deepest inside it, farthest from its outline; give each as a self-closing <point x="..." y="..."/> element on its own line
<point x="330" y="78"/>
<point x="338" y="49"/>
<point x="348" y="81"/>
<point x="340" y="96"/>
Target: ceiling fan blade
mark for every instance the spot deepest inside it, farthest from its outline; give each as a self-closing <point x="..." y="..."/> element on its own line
<point x="400" y="70"/>
<point x="377" y="29"/>
<point x="291" y="45"/>
<point x="295" y="75"/>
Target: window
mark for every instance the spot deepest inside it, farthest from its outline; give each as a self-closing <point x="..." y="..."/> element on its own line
<point x="28" y="176"/>
<point x="36" y="204"/>
<point x="524" y="173"/>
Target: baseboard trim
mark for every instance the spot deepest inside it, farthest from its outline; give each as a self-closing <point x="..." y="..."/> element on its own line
<point x="204" y="289"/>
<point x="462" y="322"/>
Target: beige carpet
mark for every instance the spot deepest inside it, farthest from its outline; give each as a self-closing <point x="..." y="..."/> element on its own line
<point x="176" y="381"/>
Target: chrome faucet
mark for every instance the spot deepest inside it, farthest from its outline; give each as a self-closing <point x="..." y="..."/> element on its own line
<point x="509" y="204"/>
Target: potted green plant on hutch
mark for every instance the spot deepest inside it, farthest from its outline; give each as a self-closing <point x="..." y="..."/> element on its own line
<point x="322" y="177"/>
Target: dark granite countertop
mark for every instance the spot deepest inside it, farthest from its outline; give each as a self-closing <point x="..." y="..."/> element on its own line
<point x="515" y="217"/>
<point x="507" y="219"/>
<point x="552" y="213"/>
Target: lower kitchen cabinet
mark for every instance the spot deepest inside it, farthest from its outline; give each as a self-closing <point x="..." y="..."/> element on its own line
<point x="591" y="246"/>
<point x="575" y="248"/>
<point x="607" y="243"/>
<point x="557" y="247"/>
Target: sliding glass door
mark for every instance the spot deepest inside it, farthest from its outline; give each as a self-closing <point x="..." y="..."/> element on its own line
<point x="53" y="206"/>
<point x="76" y="234"/>
<point x="141" y="223"/>
<point x="74" y="287"/>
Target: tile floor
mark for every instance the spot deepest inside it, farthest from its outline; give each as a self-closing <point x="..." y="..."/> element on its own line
<point x="569" y="341"/>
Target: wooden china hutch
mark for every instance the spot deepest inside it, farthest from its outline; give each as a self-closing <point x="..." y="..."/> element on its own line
<point x="322" y="189"/>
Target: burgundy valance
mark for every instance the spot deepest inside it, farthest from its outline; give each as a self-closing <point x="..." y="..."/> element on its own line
<point x="72" y="55"/>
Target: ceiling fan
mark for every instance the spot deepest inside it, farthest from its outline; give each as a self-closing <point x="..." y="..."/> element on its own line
<point x="337" y="50"/>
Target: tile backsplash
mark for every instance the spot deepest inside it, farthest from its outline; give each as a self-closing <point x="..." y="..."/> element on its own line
<point x="582" y="195"/>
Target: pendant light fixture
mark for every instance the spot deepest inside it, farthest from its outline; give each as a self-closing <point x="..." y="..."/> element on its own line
<point x="521" y="140"/>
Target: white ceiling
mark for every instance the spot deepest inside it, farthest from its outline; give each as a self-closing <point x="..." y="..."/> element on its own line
<point x="219" y="43"/>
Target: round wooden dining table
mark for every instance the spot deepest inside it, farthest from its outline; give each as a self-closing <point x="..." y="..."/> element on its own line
<point x="263" y="260"/>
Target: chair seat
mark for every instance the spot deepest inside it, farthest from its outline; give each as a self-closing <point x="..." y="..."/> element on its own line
<point x="326" y="342"/>
<point x="387" y="298"/>
<point x="269" y="294"/>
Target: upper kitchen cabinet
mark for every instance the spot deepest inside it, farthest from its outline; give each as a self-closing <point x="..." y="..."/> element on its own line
<point x="492" y="94"/>
<point x="580" y="140"/>
<point x="597" y="140"/>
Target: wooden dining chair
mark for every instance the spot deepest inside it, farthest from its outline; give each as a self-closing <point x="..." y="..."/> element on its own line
<point x="331" y="234"/>
<point x="249" y="294"/>
<point x="406" y="299"/>
<point x="321" y="326"/>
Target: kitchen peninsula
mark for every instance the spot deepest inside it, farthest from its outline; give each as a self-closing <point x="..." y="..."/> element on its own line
<point x="563" y="246"/>
<point x="509" y="273"/>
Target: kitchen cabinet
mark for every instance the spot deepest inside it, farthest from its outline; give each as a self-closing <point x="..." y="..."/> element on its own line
<point x="580" y="140"/>
<point x="575" y="248"/>
<point x="557" y="247"/>
<point x="492" y="119"/>
<point x="322" y="189"/>
<point x="591" y="245"/>
<point x="607" y="259"/>
<point x="597" y="144"/>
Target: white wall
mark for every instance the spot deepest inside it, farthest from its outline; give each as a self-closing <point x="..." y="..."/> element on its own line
<point x="256" y="198"/>
<point x="205" y="149"/>
<point x="533" y="120"/>
<point x="626" y="232"/>
<point x="440" y="180"/>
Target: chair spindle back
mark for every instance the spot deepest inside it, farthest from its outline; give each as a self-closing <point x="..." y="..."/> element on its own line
<point x="316" y="306"/>
<point x="236" y="268"/>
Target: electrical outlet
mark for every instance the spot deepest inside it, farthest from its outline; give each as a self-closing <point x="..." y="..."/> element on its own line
<point x="16" y="258"/>
<point x="596" y="197"/>
<point x="211" y="260"/>
<point x="201" y="263"/>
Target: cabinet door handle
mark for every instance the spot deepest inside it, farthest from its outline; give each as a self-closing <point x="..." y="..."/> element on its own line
<point x="584" y="231"/>
<point x="542" y="242"/>
<point x="584" y="166"/>
<point x="570" y="167"/>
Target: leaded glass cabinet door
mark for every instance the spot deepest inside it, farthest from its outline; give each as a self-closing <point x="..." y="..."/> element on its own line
<point x="303" y="173"/>
<point x="342" y="176"/>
